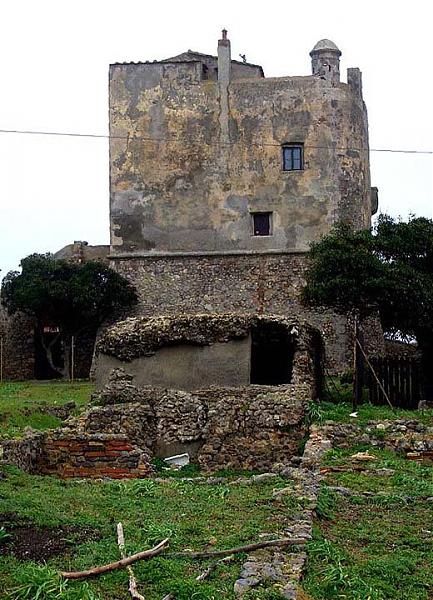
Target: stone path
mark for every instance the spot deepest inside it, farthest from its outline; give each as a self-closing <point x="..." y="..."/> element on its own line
<point x="284" y="568"/>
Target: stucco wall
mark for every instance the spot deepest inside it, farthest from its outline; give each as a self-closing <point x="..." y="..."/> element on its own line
<point x="178" y="183"/>
<point x="185" y="367"/>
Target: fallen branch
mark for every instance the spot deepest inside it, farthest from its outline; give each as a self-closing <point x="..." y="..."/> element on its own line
<point x="213" y="566"/>
<point x="351" y="469"/>
<point x="205" y="573"/>
<point x="132" y="581"/>
<point x="120" y="564"/>
<point x="248" y="548"/>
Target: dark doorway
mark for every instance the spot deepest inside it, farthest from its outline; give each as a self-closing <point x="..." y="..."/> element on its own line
<point x="272" y="351"/>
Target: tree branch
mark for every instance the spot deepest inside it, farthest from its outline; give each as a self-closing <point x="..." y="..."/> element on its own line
<point x="120" y="564"/>
<point x="248" y="548"/>
<point x="132" y="581"/>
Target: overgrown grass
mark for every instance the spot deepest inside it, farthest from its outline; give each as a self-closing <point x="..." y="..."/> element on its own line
<point x="22" y="404"/>
<point x="336" y="405"/>
<point x="192" y="516"/>
<point x="369" y="412"/>
<point x="377" y="547"/>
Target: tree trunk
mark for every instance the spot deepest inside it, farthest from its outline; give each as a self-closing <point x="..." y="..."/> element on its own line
<point x="49" y="353"/>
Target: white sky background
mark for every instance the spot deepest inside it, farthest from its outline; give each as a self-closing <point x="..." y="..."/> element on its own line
<point x="54" y="76"/>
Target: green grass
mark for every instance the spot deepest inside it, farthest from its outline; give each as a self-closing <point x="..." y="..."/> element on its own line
<point x="193" y="516"/>
<point x="22" y="403"/>
<point x="378" y="547"/>
<point x="336" y="405"/>
<point x="368" y="412"/>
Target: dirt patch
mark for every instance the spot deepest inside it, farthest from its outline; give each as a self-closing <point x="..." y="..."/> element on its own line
<point x="27" y="541"/>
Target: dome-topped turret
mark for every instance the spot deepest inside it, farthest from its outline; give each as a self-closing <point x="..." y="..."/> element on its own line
<point x="325" y="61"/>
<point x="325" y="46"/>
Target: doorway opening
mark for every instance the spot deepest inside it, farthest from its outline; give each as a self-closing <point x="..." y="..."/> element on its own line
<point x="272" y="351"/>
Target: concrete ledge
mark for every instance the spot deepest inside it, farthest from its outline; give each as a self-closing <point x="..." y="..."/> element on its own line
<point x="129" y="255"/>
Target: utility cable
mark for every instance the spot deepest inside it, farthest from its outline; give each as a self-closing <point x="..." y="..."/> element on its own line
<point x="132" y="138"/>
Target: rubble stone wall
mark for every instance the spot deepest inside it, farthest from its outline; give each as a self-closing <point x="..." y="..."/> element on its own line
<point x="17" y="338"/>
<point x="249" y="427"/>
<point x="268" y="284"/>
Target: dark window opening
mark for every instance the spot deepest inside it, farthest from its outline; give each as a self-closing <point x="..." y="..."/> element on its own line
<point x="262" y="223"/>
<point x="272" y="352"/>
<point x="293" y="157"/>
<point x="204" y="72"/>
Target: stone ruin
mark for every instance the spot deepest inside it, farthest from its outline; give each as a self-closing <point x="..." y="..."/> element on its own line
<point x="229" y="390"/>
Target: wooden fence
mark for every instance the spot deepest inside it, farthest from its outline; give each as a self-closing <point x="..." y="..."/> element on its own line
<point x="401" y="380"/>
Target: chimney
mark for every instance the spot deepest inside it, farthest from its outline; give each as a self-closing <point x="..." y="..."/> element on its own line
<point x="224" y="60"/>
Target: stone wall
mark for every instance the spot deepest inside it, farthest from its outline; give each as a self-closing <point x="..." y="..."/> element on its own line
<point x="245" y="427"/>
<point x="399" y="435"/>
<point x="265" y="284"/>
<point x="72" y="454"/>
<point x="249" y="427"/>
<point x="17" y="338"/>
<point x="24" y="452"/>
<point x="94" y="455"/>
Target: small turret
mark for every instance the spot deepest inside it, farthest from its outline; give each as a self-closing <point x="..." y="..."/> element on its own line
<point x="325" y="61"/>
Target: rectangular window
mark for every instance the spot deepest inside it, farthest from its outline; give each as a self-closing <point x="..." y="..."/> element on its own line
<point x="262" y="223"/>
<point x="293" y="157"/>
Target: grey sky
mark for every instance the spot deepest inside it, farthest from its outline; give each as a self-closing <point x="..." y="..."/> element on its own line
<point x="55" y="56"/>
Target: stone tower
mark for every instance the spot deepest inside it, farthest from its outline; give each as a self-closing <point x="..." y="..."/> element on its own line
<point x="220" y="179"/>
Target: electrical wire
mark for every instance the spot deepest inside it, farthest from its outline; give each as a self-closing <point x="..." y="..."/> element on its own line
<point x="132" y="138"/>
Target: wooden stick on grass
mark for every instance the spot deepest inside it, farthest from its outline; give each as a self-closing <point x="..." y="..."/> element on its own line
<point x="132" y="581"/>
<point x="120" y="564"/>
<point x="248" y="548"/>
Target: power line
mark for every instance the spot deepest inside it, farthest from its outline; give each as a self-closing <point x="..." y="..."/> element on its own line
<point x="132" y="138"/>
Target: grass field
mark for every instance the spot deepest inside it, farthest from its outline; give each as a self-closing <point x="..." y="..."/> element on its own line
<point x="85" y="513"/>
<point x="376" y="543"/>
<point x="22" y="404"/>
<point x="378" y="546"/>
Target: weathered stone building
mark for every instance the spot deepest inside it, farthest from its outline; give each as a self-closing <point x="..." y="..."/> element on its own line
<point x="221" y="178"/>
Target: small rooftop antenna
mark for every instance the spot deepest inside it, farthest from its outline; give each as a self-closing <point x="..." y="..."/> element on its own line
<point x="244" y="57"/>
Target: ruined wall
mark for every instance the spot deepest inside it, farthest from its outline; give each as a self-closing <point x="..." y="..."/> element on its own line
<point x="216" y="348"/>
<point x="245" y="427"/>
<point x="177" y="183"/>
<point x="76" y="454"/>
<point x="96" y="455"/>
<point x="17" y="336"/>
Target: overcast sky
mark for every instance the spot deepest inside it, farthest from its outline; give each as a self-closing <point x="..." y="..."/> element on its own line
<point x="54" y="65"/>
